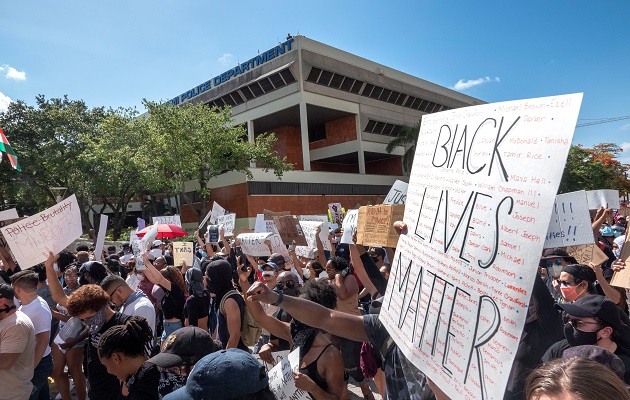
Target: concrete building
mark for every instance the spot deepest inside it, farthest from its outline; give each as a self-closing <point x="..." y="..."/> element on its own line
<point x="333" y="114"/>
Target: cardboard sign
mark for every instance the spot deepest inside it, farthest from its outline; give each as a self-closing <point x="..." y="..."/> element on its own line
<point x="281" y="380"/>
<point x="290" y="230"/>
<point x="397" y="194"/>
<point x="213" y="233"/>
<point x="278" y="246"/>
<point x="349" y="226"/>
<point x="277" y="357"/>
<point x="9" y="214"/>
<point x="100" y="239"/>
<point x="336" y="212"/>
<point x="183" y="252"/>
<point x="621" y="278"/>
<point x="570" y="223"/>
<point x="375" y="224"/>
<point x="254" y="244"/>
<point x="53" y="229"/>
<point x="602" y="198"/>
<point x="268" y="215"/>
<point x="461" y="278"/>
<point x="227" y="221"/>
<point x="216" y="211"/>
<point x="587" y="253"/>
<point x="168" y="219"/>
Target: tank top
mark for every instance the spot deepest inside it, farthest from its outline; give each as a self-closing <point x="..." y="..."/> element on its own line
<point x="311" y="371"/>
<point x="349" y="305"/>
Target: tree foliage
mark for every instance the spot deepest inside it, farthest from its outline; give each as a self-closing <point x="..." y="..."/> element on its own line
<point x="407" y="138"/>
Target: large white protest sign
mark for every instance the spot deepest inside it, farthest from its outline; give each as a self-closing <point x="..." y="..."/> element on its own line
<point x="9" y="214"/>
<point x="216" y="211"/>
<point x="53" y="229"/>
<point x="317" y="217"/>
<point x="281" y="380"/>
<point x="228" y="221"/>
<point x="132" y="236"/>
<point x="461" y="279"/>
<point x="254" y="244"/>
<point x="607" y="198"/>
<point x="570" y="223"/>
<point x="263" y="225"/>
<point x="277" y="357"/>
<point x="168" y="219"/>
<point x="309" y="228"/>
<point x="349" y="226"/>
<point x="397" y="194"/>
<point x="100" y="239"/>
<point x="183" y="252"/>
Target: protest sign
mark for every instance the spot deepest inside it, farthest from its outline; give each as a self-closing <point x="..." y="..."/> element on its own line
<point x="336" y="212"/>
<point x="375" y="224"/>
<point x="310" y="227"/>
<point x="570" y="223"/>
<point x="213" y="234"/>
<point x="141" y="224"/>
<point x="317" y="217"/>
<point x="53" y="229"/>
<point x="149" y="237"/>
<point x="305" y="251"/>
<point x="183" y="252"/>
<point x="281" y="380"/>
<point x="228" y="221"/>
<point x="9" y="214"/>
<point x="137" y="250"/>
<point x="621" y="278"/>
<point x="268" y="215"/>
<point x="254" y="244"/>
<point x="290" y="230"/>
<point x="133" y="237"/>
<point x="264" y="225"/>
<point x="100" y="239"/>
<point x="349" y="226"/>
<point x="168" y="219"/>
<point x="3" y="243"/>
<point x="607" y="198"/>
<point x="277" y="357"/>
<point x="204" y="220"/>
<point x="216" y="211"/>
<point x="461" y="279"/>
<point x="587" y="253"/>
<point x="397" y="194"/>
<point x="278" y="246"/>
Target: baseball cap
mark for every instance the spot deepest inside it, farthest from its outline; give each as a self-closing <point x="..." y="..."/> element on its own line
<point x="271" y="264"/>
<point x="276" y="258"/>
<point x="157" y="242"/>
<point x="6" y="292"/>
<point x="185" y="345"/>
<point x="607" y="231"/>
<point x="94" y="268"/>
<point x="599" y="354"/>
<point x="592" y="306"/>
<point x="223" y="375"/>
<point x="581" y="272"/>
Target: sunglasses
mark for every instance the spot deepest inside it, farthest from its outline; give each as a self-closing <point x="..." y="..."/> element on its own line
<point x="288" y="284"/>
<point x="580" y="325"/>
<point x="557" y="261"/>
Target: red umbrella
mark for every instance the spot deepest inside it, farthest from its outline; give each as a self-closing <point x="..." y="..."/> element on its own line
<point x="164" y="231"/>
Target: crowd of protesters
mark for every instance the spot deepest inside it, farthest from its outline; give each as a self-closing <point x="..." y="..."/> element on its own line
<point x="116" y="325"/>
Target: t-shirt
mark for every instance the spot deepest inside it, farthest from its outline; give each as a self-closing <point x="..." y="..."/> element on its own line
<point x="41" y="317"/>
<point x="143" y="385"/>
<point x="141" y="307"/>
<point x="103" y="386"/>
<point x="196" y="308"/>
<point x="17" y="335"/>
<point x="172" y="302"/>
<point x="403" y="380"/>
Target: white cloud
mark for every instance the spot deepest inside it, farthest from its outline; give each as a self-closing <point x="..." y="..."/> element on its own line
<point x="625" y="146"/>
<point x="464" y="84"/>
<point x="4" y="102"/>
<point x="226" y="59"/>
<point x="12" y="73"/>
<point x="625" y="127"/>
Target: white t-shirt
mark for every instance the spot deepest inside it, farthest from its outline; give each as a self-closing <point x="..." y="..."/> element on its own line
<point x="39" y="313"/>
<point x="142" y="307"/>
<point x="17" y="336"/>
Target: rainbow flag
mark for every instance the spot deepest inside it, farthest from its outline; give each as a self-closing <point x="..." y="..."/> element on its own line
<point x="5" y="147"/>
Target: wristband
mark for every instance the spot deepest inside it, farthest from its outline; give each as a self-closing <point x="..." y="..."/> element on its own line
<point x="280" y="298"/>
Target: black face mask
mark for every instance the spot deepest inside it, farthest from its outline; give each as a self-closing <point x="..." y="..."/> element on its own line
<point x="579" y="338"/>
<point x="6" y="309"/>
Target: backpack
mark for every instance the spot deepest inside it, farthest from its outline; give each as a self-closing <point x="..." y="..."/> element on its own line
<point x="250" y="329"/>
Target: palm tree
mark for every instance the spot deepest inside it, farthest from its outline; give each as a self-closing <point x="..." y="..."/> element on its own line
<point x="407" y="138"/>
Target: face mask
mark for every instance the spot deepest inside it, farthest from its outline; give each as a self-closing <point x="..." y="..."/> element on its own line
<point x="140" y="277"/>
<point x="204" y="254"/>
<point x="267" y="273"/>
<point x="297" y="327"/>
<point x="555" y="271"/>
<point x="96" y="322"/>
<point x="6" y="309"/>
<point x="579" y="338"/>
<point x="337" y="239"/>
<point x="617" y="252"/>
<point x="83" y="280"/>
<point x="569" y="293"/>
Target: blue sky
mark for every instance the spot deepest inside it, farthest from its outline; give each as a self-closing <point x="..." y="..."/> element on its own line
<point x="116" y="53"/>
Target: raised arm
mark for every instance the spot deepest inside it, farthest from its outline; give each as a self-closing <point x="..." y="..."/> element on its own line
<point x="321" y="256"/>
<point x="53" y="282"/>
<point x="154" y="275"/>
<point x="357" y="264"/>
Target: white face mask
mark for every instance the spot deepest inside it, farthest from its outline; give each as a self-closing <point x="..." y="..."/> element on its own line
<point x="555" y="271"/>
<point x="267" y="273"/>
<point x="617" y="252"/>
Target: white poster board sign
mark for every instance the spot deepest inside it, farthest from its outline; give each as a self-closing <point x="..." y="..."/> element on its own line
<point x="133" y="237"/>
<point x="570" y="223"/>
<point x="397" y="194"/>
<point x="461" y="279"/>
<point x="183" y="252"/>
<point x="254" y="244"/>
<point x="309" y="228"/>
<point x="263" y="225"/>
<point x="53" y="229"/>
<point x="228" y="221"/>
<point x="277" y="357"/>
<point x="168" y="219"/>
<point x="281" y="380"/>
<point x="320" y="218"/>
<point x="216" y="211"/>
<point x="137" y="250"/>
<point x="349" y="226"/>
<point x="204" y="220"/>
<point x="9" y="214"/>
<point x="277" y="246"/>
<point x="607" y="198"/>
<point x="100" y="239"/>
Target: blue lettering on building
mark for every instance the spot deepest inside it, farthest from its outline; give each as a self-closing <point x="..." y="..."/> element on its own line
<point x="238" y="70"/>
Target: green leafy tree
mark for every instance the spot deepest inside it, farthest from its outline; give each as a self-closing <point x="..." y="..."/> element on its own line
<point x="407" y="138"/>
<point x="196" y="142"/>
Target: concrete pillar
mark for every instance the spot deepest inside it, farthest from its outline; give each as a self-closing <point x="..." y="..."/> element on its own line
<point x="357" y="122"/>
<point x="306" y="155"/>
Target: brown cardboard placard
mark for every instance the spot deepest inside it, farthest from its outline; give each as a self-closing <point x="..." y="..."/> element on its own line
<point x="270" y="214"/>
<point x="375" y="224"/>
<point x="183" y="252"/>
<point x="622" y="278"/>
<point x="587" y="253"/>
<point x="290" y="230"/>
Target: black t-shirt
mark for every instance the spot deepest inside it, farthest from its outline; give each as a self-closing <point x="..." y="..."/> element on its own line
<point x="103" y="386"/>
<point x="143" y="385"/>
<point x="196" y="308"/>
<point x="173" y="302"/>
<point x="283" y="316"/>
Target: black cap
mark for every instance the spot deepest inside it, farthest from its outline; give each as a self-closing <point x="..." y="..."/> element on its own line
<point x="6" y="292"/>
<point x="599" y="354"/>
<point x="595" y="306"/>
<point x="558" y="252"/>
<point x="581" y="272"/>
<point x="185" y="345"/>
<point x="94" y="268"/>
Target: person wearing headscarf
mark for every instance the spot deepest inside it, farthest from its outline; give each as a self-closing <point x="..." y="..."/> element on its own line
<point x="198" y="302"/>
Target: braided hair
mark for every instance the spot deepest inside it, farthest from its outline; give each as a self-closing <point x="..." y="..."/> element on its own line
<point x="132" y="339"/>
